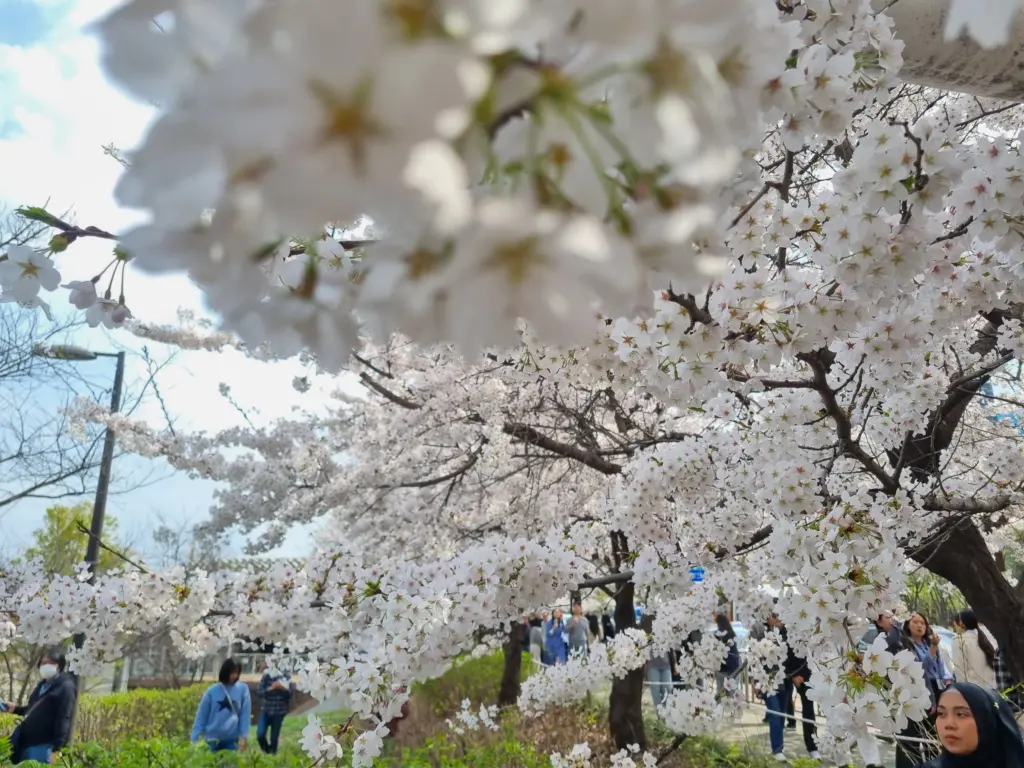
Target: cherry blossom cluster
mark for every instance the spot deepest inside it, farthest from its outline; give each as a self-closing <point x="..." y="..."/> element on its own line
<point x="317" y="744"/>
<point x="627" y="651"/>
<point x="580" y="757"/>
<point x="362" y="631"/>
<point x="708" y="274"/>
<point x="190" y="332"/>
<point x="468" y="720"/>
<point x="44" y="610"/>
<point x="568" y="151"/>
<point x="882" y="689"/>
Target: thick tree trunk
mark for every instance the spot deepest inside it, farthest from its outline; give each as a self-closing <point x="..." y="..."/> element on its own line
<point x="961" y="556"/>
<point x="625" y="704"/>
<point x="508" y="694"/>
<point x="957" y="551"/>
<point x="959" y="65"/>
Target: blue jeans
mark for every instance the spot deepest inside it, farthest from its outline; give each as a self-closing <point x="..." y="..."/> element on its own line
<point x="38" y="752"/>
<point x="660" y="680"/>
<point x="776" y="722"/>
<point x="228" y="745"/>
<point x="273" y="724"/>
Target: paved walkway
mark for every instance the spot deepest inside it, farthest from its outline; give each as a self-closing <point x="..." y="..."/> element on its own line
<point x="752" y="732"/>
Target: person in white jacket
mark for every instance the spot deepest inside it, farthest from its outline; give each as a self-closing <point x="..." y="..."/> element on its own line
<point x="974" y="652"/>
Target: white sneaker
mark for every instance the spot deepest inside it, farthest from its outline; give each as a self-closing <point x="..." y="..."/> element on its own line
<point x="780" y="758"/>
<point x="815" y="755"/>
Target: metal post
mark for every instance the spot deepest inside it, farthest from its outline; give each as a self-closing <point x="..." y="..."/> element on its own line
<point x="99" y="507"/>
<point x="99" y="510"/>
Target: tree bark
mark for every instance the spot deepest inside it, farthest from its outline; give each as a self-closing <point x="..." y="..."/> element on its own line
<point x="957" y="65"/>
<point x="961" y="556"/>
<point x="956" y="550"/>
<point x="625" y="704"/>
<point x="508" y="693"/>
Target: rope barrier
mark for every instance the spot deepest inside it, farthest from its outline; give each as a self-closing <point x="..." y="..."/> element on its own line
<point x="872" y="732"/>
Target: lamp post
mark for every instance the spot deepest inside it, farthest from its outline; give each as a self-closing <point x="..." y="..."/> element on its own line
<point x="99" y="507"/>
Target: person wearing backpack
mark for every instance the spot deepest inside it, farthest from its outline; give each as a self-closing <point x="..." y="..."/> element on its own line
<point x="45" y="727"/>
<point x="225" y="711"/>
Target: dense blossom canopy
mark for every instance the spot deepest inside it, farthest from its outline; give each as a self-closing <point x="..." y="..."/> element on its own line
<point x="652" y="285"/>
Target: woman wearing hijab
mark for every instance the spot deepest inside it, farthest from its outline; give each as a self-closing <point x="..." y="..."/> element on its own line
<point x="977" y="730"/>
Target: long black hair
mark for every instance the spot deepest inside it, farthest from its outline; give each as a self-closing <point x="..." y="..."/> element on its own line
<point x="927" y="628"/>
<point x="970" y="621"/>
<point x="724" y="626"/>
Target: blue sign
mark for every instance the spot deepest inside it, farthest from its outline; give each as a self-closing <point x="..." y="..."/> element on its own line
<point x="697" y="574"/>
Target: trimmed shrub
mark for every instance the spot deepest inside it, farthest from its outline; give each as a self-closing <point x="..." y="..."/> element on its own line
<point x="476" y="679"/>
<point x="168" y="753"/>
<point x="138" y="714"/>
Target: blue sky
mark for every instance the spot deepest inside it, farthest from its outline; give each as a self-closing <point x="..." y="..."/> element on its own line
<point x="56" y="112"/>
<point x="27" y="22"/>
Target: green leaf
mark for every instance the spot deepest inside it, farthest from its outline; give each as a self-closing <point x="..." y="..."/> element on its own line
<point x="34" y="213"/>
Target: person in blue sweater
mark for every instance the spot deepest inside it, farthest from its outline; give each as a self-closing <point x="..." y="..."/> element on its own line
<point x="225" y="711"/>
<point x="555" y="638"/>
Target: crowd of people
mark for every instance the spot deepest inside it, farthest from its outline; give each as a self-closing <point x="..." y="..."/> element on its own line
<point x="223" y="718"/>
<point x="973" y="707"/>
<point x="974" y="674"/>
<point x="553" y="638"/>
<point x="972" y="710"/>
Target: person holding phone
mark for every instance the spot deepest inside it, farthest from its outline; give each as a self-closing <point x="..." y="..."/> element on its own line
<point x="578" y="628"/>
<point x="275" y="691"/>
<point x="46" y="719"/>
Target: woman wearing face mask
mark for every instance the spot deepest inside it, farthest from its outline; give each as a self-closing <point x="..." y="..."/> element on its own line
<point x="977" y="730"/>
<point x="46" y="724"/>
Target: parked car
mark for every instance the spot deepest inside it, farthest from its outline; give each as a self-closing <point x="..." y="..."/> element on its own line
<point x="945" y="640"/>
<point x="742" y="635"/>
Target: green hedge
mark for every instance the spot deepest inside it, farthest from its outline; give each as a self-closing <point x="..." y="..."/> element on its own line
<point x="440" y="752"/>
<point x="474" y="679"/>
<point x="164" y="753"/>
<point x="138" y="714"/>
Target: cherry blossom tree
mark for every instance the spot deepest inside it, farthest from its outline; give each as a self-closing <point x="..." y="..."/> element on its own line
<point x="650" y="286"/>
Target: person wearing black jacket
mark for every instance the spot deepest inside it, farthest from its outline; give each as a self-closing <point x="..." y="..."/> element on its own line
<point x="46" y="725"/>
<point x="607" y="627"/>
<point x="797" y="675"/>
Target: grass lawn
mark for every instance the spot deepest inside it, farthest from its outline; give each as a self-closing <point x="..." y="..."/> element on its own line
<point x="291" y="729"/>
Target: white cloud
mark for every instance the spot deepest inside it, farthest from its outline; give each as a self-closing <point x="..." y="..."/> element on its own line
<point x="65" y="112"/>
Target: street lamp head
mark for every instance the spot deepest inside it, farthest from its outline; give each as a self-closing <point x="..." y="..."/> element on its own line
<point x="63" y="352"/>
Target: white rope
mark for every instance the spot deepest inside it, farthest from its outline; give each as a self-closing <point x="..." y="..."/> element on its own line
<point x="873" y="732"/>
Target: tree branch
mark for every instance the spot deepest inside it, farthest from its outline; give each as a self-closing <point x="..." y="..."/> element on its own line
<point x="591" y="459"/>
